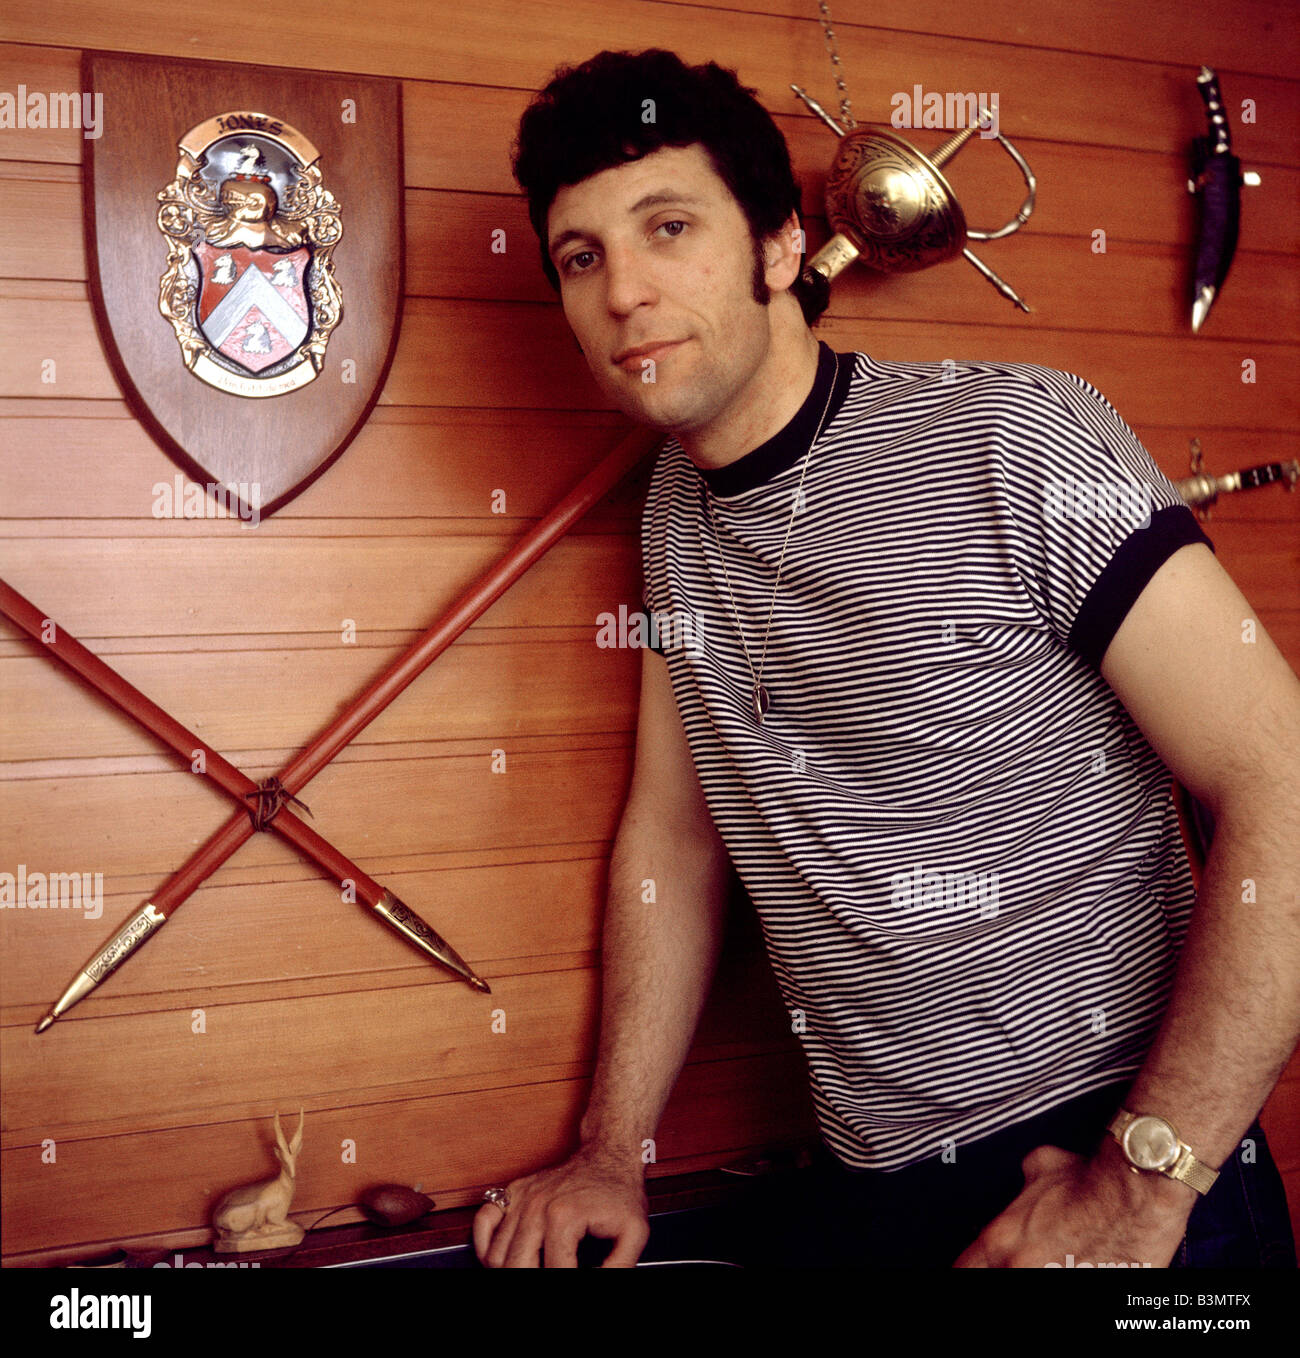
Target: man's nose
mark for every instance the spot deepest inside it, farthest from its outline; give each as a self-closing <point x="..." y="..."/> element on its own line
<point x="627" y="281"/>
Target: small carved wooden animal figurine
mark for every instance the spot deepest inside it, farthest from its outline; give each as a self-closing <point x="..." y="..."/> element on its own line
<point x="255" y="1216"/>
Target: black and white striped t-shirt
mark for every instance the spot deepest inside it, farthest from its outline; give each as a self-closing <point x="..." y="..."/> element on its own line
<point x="963" y="853"/>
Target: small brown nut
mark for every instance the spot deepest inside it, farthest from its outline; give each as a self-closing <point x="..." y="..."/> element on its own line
<point x="394" y="1204"/>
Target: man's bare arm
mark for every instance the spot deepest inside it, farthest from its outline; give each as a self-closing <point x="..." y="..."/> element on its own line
<point x="664" y="920"/>
<point x="663" y="933"/>
<point x="1221" y="706"/>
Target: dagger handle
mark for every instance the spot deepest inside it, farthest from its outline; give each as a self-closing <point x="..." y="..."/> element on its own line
<point x="1205" y="489"/>
<point x="1208" y="84"/>
<point x="1263" y="475"/>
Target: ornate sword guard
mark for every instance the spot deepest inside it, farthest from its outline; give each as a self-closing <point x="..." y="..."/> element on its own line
<point x="891" y="207"/>
<point x="892" y="203"/>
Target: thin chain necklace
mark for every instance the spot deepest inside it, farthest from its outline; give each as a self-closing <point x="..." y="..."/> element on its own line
<point x="761" y="697"/>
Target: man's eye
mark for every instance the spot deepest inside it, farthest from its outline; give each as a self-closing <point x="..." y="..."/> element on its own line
<point x="573" y="259"/>
<point x="674" y="222"/>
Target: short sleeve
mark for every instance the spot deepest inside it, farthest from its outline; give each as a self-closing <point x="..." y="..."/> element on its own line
<point x="1091" y="516"/>
<point x="651" y="630"/>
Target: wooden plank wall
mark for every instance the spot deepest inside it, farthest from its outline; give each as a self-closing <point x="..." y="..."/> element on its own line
<point x="238" y="632"/>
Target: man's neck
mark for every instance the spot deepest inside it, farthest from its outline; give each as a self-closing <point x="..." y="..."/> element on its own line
<point x="770" y="400"/>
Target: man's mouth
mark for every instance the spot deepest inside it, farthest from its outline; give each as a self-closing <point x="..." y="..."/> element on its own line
<point x="652" y="351"/>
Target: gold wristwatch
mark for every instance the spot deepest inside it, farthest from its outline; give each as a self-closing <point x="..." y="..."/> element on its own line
<point x="1151" y="1144"/>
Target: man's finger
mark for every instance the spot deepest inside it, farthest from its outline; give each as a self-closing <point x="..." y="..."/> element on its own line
<point x="486" y="1220"/>
<point x="525" y="1248"/>
<point x="628" y="1245"/>
<point x="973" y="1256"/>
<point x="561" y="1243"/>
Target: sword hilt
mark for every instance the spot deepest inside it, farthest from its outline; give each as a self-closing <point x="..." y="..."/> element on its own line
<point x="1208" y="85"/>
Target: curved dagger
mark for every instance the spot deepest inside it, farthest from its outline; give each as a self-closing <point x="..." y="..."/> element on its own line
<point x="1216" y="179"/>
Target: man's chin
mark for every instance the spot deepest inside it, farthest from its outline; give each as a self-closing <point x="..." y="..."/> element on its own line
<point x="659" y="408"/>
<point x="667" y="416"/>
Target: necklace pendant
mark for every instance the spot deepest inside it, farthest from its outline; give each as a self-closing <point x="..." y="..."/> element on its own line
<point x="762" y="702"/>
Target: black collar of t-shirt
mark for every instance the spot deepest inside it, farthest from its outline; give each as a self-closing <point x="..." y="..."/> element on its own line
<point x="785" y="448"/>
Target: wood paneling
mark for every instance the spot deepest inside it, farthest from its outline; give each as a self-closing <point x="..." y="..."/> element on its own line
<point x="454" y="141"/>
<point x="1241" y="35"/>
<point x="1130" y="101"/>
<point x="239" y="632"/>
<point x="170" y="586"/>
<point x="516" y="688"/>
<point x="407" y="465"/>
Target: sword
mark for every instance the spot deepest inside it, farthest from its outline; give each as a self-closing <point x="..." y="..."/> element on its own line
<point x="300" y="770"/>
<point x="1202" y="489"/>
<point x="1216" y="179"/>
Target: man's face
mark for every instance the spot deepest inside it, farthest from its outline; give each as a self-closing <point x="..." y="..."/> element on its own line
<point x="658" y="252"/>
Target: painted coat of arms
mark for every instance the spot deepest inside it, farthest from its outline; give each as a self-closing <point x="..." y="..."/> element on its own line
<point x="250" y="228"/>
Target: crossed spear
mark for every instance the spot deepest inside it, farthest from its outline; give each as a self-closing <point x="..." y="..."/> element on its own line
<point x="265" y="803"/>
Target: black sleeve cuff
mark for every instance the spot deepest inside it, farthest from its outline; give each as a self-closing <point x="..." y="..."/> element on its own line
<point x="652" y="631"/>
<point x="1127" y="574"/>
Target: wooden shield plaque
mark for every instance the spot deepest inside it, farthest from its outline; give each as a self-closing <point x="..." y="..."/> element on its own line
<point x="244" y="242"/>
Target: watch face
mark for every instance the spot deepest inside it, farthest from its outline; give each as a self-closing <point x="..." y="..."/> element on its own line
<point x="1151" y="1143"/>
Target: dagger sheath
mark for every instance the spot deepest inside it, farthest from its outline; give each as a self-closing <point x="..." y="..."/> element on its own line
<point x="1216" y="181"/>
<point x="1220" y="194"/>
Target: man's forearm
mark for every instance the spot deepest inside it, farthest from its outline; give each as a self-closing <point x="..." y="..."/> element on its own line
<point x="1233" y="1017"/>
<point x="662" y="935"/>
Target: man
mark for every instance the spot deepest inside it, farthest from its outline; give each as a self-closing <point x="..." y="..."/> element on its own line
<point x="921" y="703"/>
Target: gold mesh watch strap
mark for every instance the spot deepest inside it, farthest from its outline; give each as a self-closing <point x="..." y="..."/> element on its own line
<point x="1189" y="1170"/>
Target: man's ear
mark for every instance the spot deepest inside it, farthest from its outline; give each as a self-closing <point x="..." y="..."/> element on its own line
<point x="783" y="254"/>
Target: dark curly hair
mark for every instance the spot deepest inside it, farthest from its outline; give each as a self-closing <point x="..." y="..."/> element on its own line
<point x="589" y="119"/>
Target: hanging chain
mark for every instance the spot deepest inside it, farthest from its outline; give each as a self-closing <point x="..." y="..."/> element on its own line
<point x="846" y="109"/>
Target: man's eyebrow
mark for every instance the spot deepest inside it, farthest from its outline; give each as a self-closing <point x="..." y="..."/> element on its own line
<point x="660" y="198"/>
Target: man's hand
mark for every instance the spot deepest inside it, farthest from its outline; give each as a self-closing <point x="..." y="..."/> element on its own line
<point x="594" y="1191"/>
<point x="1092" y="1209"/>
